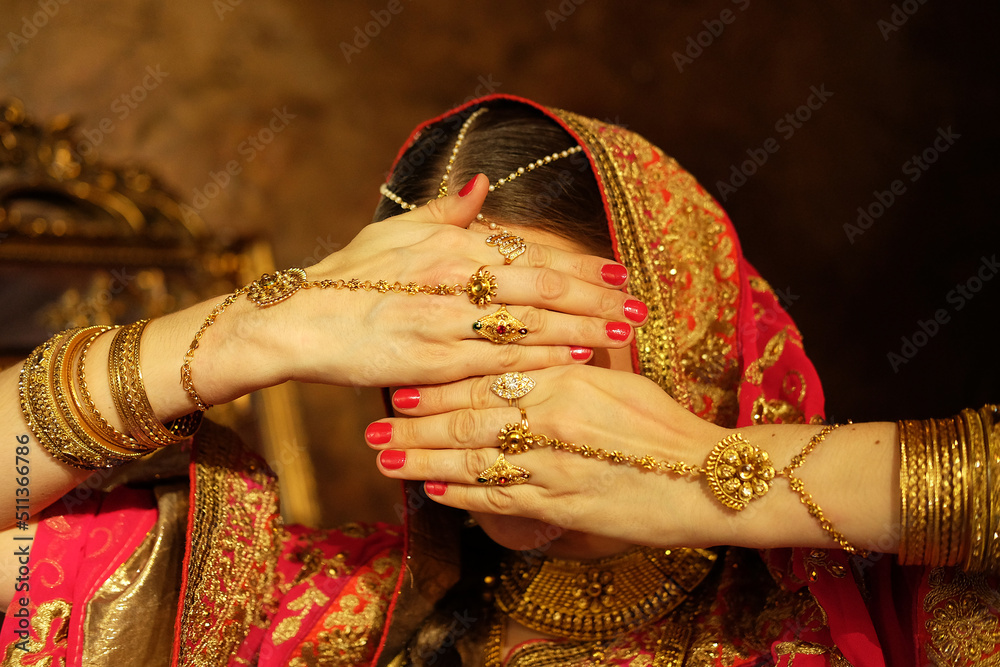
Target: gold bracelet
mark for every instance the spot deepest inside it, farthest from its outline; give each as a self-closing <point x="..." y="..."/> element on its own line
<point x="130" y="399"/>
<point x="273" y="288"/>
<point x="69" y="411"/>
<point x="932" y="553"/>
<point x="43" y="415"/>
<point x="989" y="417"/>
<point x="736" y="471"/>
<point x="974" y="561"/>
<point x="89" y="412"/>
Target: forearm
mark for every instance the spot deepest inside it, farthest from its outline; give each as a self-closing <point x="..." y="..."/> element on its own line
<point x="35" y="479"/>
<point x="852" y="476"/>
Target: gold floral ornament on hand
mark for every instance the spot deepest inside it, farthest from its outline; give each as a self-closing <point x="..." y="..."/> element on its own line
<point x="502" y="473"/>
<point x="273" y="288"/>
<point x="516" y="438"/>
<point x="482" y="287"/>
<point x="500" y="328"/>
<point x="737" y="472"/>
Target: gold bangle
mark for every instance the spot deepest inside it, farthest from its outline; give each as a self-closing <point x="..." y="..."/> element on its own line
<point x="42" y="414"/>
<point x="933" y="550"/>
<point x="977" y="517"/>
<point x="89" y="412"/>
<point x="904" y="491"/>
<point x="129" y="394"/>
<point x="69" y="411"/>
<point x="989" y="417"/>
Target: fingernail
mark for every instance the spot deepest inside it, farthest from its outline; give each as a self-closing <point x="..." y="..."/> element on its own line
<point x="435" y="488"/>
<point x="407" y="398"/>
<point x="580" y="353"/>
<point x="467" y="188"/>
<point x="614" y="274"/>
<point x="617" y="331"/>
<point x="635" y="310"/>
<point x="392" y="459"/>
<point x="378" y="433"/>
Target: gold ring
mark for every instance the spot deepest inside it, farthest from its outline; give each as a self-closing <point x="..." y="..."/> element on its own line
<point x="509" y="245"/>
<point x="512" y="386"/>
<point x="516" y="438"/>
<point x="502" y="473"/>
<point x="482" y="287"/>
<point x="500" y="327"/>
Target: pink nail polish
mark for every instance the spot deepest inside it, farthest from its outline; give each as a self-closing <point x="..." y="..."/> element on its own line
<point x="435" y="488"/>
<point x="392" y="459"/>
<point x="467" y="188"/>
<point x="618" y="330"/>
<point x="407" y="398"/>
<point x="614" y="274"/>
<point x="635" y="310"/>
<point x="580" y="353"/>
<point x="378" y="433"/>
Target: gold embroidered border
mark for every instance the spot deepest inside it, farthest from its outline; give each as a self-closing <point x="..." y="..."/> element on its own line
<point x="233" y="549"/>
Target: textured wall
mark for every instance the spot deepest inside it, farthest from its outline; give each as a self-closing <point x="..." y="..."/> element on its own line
<point x="708" y="81"/>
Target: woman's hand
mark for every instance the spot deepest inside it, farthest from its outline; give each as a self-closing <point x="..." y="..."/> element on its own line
<point x="566" y="301"/>
<point x="450" y="435"/>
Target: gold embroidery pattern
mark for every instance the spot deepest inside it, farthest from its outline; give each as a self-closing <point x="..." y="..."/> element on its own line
<point x="352" y="625"/>
<point x="963" y="626"/>
<point x="805" y="648"/>
<point x="816" y="560"/>
<point x="754" y="373"/>
<point x="230" y="575"/>
<point x="682" y="265"/>
<point x="50" y="630"/>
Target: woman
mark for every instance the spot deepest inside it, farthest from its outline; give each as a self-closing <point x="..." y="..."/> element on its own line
<point x="106" y="581"/>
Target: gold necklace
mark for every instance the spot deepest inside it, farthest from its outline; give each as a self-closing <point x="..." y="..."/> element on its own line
<point x="599" y="599"/>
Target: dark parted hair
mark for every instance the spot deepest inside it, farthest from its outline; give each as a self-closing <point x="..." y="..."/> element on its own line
<point x="561" y="197"/>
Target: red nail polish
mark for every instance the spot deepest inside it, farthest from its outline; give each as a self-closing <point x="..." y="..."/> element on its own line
<point x="618" y="330"/>
<point x="435" y="488"/>
<point x="407" y="398"/>
<point x="580" y="353"/>
<point x="614" y="274"/>
<point x="378" y="433"/>
<point x="392" y="459"/>
<point x="467" y="188"/>
<point x="635" y="310"/>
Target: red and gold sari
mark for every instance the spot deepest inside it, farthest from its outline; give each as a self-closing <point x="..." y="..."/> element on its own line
<point x="203" y="571"/>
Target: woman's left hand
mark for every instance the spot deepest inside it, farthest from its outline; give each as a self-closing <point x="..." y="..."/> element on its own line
<point x="450" y="436"/>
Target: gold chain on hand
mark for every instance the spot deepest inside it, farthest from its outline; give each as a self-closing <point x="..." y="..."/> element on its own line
<point x="737" y="472"/>
<point x="273" y="288"/>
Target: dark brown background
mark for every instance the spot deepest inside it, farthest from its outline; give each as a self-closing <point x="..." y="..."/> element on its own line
<point x="229" y="65"/>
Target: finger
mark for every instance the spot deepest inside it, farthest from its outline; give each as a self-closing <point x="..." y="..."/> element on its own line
<point x="472" y="393"/>
<point x="460" y="429"/>
<point x="459" y="466"/>
<point x="554" y="288"/>
<point x="458" y="209"/>
<point x="589" y="268"/>
<point x="531" y="326"/>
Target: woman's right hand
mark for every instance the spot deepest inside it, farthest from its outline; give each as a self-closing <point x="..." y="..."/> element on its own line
<point x="567" y="301"/>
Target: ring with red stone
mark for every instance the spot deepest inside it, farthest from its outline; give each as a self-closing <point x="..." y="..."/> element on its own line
<point x="502" y="473"/>
<point x="500" y="327"/>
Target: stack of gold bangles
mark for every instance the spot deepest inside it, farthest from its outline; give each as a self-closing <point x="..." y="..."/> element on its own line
<point x="950" y="490"/>
<point x="62" y="414"/>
